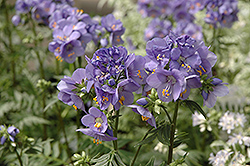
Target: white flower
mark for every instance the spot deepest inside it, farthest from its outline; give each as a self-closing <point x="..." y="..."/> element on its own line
<point x="161" y="148"/>
<point x="198" y="119"/>
<point x="236" y="138"/>
<point x="238" y="159"/>
<point x="240" y="119"/>
<point x="228" y="122"/>
<point x="246" y="140"/>
<point x="220" y="158"/>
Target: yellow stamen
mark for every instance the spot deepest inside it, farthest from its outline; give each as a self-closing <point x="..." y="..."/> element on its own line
<point x="121" y="100"/>
<point x="69" y="55"/>
<point x="94" y="141"/>
<point x="37" y="16"/>
<point x="198" y="4"/>
<point x="182" y="93"/>
<point x="54" y="25"/>
<point x="139" y="74"/>
<point x="75" y="107"/>
<point x="153" y="71"/>
<point x="98" y="125"/>
<point x="113" y="27"/>
<point x="105" y="99"/>
<point x="144" y="118"/>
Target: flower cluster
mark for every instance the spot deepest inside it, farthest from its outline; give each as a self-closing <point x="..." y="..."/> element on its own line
<point x="220" y="158"/>
<point x="179" y="64"/>
<point x="223" y="13"/>
<point x="72" y="28"/>
<point x="112" y="75"/>
<point x="98" y="126"/>
<point x="40" y="10"/>
<point x="183" y="14"/>
<point x="162" y="11"/>
<point x="173" y="66"/>
<point x="6" y="133"/>
<point x="230" y="120"/>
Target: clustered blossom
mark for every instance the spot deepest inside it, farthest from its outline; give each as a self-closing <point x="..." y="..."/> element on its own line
<point x="172" y="66"/>
<point x="10" y="133"/>
<point x="72" y="28"/>
<point x="163" y="11"/>
<point x="230" y="120"/>
<point x="178" y="64"/>
<point x="222" y="13"/>
<point x="220" y="158"/>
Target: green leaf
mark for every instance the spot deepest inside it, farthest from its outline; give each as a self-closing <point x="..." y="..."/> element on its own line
<point x="119" y="160"/>
<point x="163" y="163"/>
<point x="52" y="102"/>
<point x="56" y="150"/>
<point x="147" y="140"/>
<point x="192" y="105"/>
<point x="47" y="149"/>
<point x="151" y="162"/>
<point x="164" y="133"/>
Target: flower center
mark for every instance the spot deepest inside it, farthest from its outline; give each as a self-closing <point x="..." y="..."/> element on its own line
<point x="121" y="100"/>
<point x="144" y="118"/>
<point x="98" y="122"/>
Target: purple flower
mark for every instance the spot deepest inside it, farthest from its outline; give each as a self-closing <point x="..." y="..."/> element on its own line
<point x="42" y="11"/>
<point x="145" y="114"/>
<point x="105" y="96"/>
<point x="16" y="19"/>
<point x="158" y="51"/>
<point x="68" y="84"/>
<point x="98" y="136"/>
<point x="142" y="101"/>
<point x="13" y="131"/>
<point x="218" y="89"/>
<point x="169" y="84"/>
<point x="114" y="27"/>
<point x="136" y="70"/>
<point x="124" y="92"/>
<point x="95" y="120"/>
<point x="111" y="24"/>
<point x="157" y="28"/>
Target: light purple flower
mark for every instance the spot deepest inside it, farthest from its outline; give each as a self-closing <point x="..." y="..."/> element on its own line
<point x="219" y="89"/>
<point x="95" y="120"/>
<point x="169" y="84"/>
<point x="98" y="136"/>
<point x="145" y="114"/>
<point x="124" y="92"/>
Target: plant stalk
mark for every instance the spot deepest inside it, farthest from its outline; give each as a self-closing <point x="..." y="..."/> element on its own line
<point x="41" y="74"/>
<point x="172" y="133"/>
<point x="10" y="46"/>
<point x="116" y="130"/>
<point x="139" y="148"/>
<point x="19" y="157"/>
<point x="64" y="132"/>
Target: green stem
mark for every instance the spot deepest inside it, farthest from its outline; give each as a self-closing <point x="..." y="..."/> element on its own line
<point x="41" y="74"/>
<point x="80" y="62"/>
<point x="36" y="46"/>
<point x="172" y="133"/>
<point x="164" y="108"/>
<point x="78" y="124"/>
<point x="57" y="67"/>
<point x="10" y="47"/>
<point x="63" y="130"/>
<point x="139" y="148"/>
<point x="19" y="157"/>
<point x="116" y="130"/>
